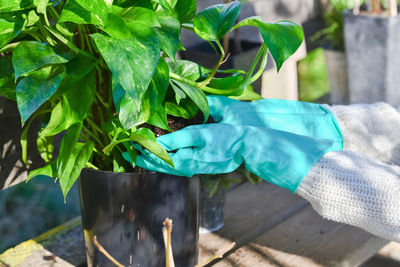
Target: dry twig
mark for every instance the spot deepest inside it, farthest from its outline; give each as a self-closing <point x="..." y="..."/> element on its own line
<point x="102" y="250"/>
<point x="167" y="230"/>
<point x="219" y="256"/>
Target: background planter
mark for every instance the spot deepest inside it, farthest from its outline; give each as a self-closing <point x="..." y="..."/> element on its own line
<point x="373" y="58"/>
<point x="337" y="74"/>
<point x="126" y="211"/>
<point x="211" y="209"/>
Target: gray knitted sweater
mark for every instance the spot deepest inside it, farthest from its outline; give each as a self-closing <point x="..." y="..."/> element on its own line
<point x="360" y="185"/>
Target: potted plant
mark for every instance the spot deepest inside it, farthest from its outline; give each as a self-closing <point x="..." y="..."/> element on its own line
<point x="372" y="52"/>
<point x="332" y="39"/>
<point x="103" y="75"/>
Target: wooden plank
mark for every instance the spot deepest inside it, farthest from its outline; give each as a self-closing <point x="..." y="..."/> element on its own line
<point x="276" y="226"/>
<point x="304" y="239"/>
<point x="62" y="246"/>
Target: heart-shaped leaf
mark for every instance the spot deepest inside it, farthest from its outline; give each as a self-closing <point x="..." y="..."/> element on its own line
<point x="188" y="69"/>
<point x="169" y="35"/>
<point x="73" y="107"/>
<point x="7" y="84"/>
<point x="86" y="12"/>
<point x="32" y="55"/>
<point x="146" y="138"/>
<point x="34" y="90"/>
<point x="132" y="61"/>
<point x="72" y="158"/>
<point x="10" y="26"/>
<point x="214" y="22"/>
<point x="282" y="38"/>
<point x="196" y="95"/>
<point x="16" y="5"/>
<point x="186" y="10"/>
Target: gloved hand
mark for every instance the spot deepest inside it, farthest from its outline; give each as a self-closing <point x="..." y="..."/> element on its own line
<point x="279" y="157"/>
<point x="278" y="140"/>
<point x="286" y="115"/>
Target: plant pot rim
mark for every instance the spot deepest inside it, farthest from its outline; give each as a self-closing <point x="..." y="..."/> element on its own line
<point x="365" y="15"/>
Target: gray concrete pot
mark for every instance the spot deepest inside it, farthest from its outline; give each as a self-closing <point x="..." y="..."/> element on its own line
<point x="337" y="74"/>
<point x="373" y="58"/>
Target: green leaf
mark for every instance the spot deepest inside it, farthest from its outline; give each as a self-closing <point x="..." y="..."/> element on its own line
<point x="99" y="7"/>
<point x="31" y="55"/>
<point x="76" y="161"/>
<point x="142" y="138"/>
<point x="32" y="18"/>
<point x="214" y="188"/>
<point x="188" y="69"/>
<point x="45" y="147"/>
<point x="10" y="26"/>
<point x="167" y="5"/>
<point x="7" y="84"/>
<point x="179" y="94"/>
<point x="227" y="82"/>
<point x="86" y="12"/>
<point x="42" y="6"/>
<point x="16" y="5"/>
<point x="129" y="113"/>
<point x="33" y="91"/>
<point x="159" y="119"/>
<point x="48" y="170"/>
<point x="247" y="95"/>
<point x="196" y="95"/>
<point x="214" y="22"/>
<point x="282" y="38"/>
<point x="135" y="15"/>
<point x="117" y="28"/>
<point x="24" y="143"/>
<point x="73" y="106"/>
<point x="186" y="10"/>
<point x="158" y="85"/>
<point x="72" y="158"/>
<point x="169" y="35"/>
<point x="132" y="61"/>
<point x="186" y="111"/>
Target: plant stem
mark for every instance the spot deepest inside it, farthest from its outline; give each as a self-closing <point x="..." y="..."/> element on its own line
<point x="53" y="13"/>
<point x="204" y="88"/>
<point x="221" y="60"/>
<point x="70" y="45"/>
<point x="256" y="59"/>
<point x="261" y="69"/>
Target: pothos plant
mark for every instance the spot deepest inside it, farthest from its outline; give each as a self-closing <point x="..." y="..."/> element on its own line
<point x="103" y="73"/>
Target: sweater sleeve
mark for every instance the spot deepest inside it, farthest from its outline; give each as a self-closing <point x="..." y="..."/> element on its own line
<point x="353" y="188"/>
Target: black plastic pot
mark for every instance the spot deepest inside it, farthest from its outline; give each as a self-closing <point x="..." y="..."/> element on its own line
<point x="125" y="211"/>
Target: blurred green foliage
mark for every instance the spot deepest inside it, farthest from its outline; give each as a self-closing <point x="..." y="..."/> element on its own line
<point x="313" y="76"/>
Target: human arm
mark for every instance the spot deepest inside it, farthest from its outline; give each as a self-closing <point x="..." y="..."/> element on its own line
<point x="352" y="188"/>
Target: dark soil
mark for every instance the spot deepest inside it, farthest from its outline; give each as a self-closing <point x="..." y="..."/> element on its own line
<point x="176" y="124"/>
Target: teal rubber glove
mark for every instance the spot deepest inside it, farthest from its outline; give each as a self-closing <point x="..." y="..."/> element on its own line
<point x="302" y="118"/>
<point x="279" y="157"/>
<point x="278" y="140"/>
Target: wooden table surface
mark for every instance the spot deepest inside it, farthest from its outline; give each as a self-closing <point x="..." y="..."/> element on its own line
<point x="264" y="226"/>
